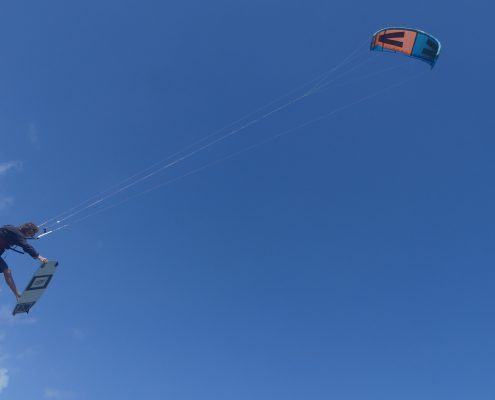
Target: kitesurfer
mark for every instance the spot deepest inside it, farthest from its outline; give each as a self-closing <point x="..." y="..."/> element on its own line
<point x="11" y="235"/>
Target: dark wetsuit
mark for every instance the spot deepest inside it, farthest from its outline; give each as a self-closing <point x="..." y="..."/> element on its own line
<point x="11" y="235"/>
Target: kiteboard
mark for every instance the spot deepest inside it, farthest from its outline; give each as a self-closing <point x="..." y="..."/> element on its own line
<point x="35" y="287"/>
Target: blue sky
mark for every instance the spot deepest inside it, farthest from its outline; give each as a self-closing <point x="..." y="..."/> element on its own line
<point x="350" y="259"/>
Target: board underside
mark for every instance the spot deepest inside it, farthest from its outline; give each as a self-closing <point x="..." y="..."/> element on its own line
<point x="36" y="287"/>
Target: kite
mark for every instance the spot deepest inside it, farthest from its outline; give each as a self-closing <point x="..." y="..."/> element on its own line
<point x="411" y="42"/>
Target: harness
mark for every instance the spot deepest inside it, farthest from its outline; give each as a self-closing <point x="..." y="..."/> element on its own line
<point x="4" y="245"/>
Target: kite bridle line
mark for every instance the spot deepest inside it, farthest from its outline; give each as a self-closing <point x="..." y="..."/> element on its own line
<point x="320" y="80"/>
<point x="248" y="148"/>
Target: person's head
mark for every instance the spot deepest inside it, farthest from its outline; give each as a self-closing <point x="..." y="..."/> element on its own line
<point x="29" y="229"/>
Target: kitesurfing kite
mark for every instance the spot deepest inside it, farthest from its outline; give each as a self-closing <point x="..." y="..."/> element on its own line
<point x="411" y="42"/>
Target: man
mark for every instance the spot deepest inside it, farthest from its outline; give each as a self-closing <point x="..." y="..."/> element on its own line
<point x="11" y="235"/>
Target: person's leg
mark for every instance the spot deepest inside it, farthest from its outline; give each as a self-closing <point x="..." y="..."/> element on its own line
<point x="3" y="265"/>
<point x="7" y="274"/>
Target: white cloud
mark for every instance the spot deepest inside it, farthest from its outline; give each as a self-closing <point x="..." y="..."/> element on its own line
<point x="26" y="354"/>
<point x="6" y="202"/>
<point x="52" y="394"/>
<point x="4" y="378"/>
<point x="33" y="136"/>
<point x="9" y="165"/>
<point x="5" y="168"/>
<point x="78" y="334"/>
<point x="55" y="394"/>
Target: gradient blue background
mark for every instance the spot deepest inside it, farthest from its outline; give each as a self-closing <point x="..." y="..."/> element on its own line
<point x="350" y="260"/>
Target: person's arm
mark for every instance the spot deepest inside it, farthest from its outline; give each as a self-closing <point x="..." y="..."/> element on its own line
<point x="7" y="274"/>
<point x="21" y="242"/>
<point x="31" y="250"/>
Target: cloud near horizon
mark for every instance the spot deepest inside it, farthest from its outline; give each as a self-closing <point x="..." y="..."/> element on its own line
<point x="55" y="394"/>
<point x="4" y="379"/>
<point x="7" y="166"/>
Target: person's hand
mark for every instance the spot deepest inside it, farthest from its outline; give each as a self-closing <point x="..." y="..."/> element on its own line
<point x="17" y="296"/>
<point x="43" y="259"/>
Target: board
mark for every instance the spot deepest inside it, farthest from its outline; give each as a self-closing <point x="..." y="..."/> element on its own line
<point x="36" y="287"/>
